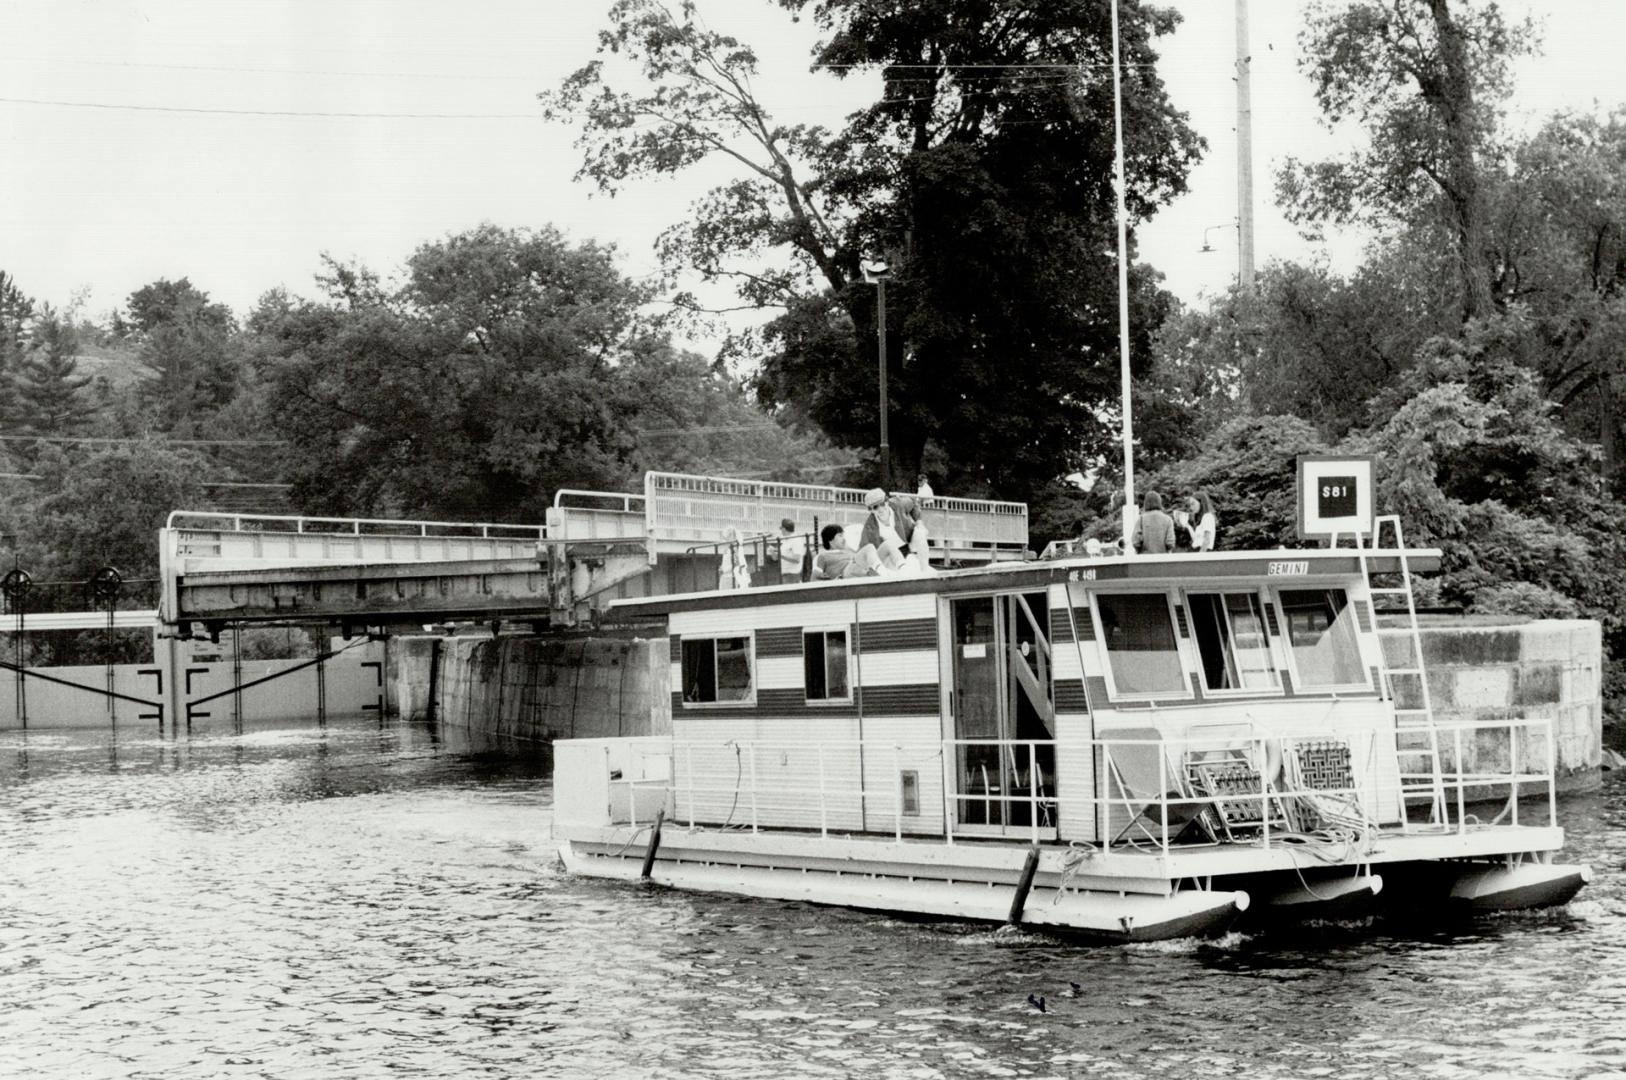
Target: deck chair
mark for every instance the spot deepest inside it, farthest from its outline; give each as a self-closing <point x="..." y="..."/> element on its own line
<point x="1132" y="781"/>
<point x="1322" y="771"/>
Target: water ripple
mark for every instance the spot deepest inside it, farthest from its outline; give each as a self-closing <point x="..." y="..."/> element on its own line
<point x="356" y="900"/>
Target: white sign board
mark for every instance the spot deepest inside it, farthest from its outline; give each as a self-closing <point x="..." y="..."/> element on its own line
<point x="1335" y="496"/>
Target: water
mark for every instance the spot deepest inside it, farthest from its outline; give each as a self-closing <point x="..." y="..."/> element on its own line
<point x="363" y="900"/>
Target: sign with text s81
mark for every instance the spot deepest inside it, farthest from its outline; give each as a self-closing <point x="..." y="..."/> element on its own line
<point x="1335" y="496"/>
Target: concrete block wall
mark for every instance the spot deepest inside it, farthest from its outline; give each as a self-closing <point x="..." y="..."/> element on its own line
<point x="541" y="687"/>
<point x="1549" y="669"/>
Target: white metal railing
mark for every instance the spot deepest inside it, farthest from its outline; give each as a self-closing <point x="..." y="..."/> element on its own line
<point x="583" y="499"/>
<point x="697" y="509"/>
<point x="209" y="521"/>
<point x="1142" y="807"/>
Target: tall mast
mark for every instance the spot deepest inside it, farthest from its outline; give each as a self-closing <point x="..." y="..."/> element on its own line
<point x="1123" y="265"/>
<point x="1244" y="153"/>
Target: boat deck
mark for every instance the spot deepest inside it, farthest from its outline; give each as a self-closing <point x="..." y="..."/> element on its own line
<point x="1125" y="867"/>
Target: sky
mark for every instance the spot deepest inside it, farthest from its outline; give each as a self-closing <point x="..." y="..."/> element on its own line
<point x="235" y="142"/>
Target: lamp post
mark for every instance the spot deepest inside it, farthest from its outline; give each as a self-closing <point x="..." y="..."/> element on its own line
<point x="876" y="273"/>
<point x="1208" y="244"/>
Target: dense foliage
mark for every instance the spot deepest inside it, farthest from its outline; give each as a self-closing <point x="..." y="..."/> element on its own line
<point x="982" y="178"/>
<point x="1476" y="351"/>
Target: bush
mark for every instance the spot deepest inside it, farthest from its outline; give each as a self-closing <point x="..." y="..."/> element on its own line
<point x="1527" y="599"/>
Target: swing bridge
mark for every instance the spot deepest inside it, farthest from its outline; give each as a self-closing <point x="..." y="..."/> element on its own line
<point x="371" y="578"/>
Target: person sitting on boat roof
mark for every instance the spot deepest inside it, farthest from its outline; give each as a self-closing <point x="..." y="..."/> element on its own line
<point x="838" y="560"/>
<point x="1154" y="530"/>
<point x="897" y="521"/>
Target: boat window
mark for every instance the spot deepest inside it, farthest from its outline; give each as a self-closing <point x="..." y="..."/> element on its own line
<point x="717" y="669"/>
<point x="1141" y="648"/>
<point x="1320" y="627"/>
<point x="824" y="665"/>
<point x="1232" y="644"/>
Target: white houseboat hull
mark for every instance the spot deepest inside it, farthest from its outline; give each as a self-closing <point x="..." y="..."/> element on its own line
<point x="1512" y="888"/>
<point x="979" y="896"/>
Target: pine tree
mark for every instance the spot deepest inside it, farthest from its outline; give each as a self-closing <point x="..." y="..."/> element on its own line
<point x="45" y="384"/>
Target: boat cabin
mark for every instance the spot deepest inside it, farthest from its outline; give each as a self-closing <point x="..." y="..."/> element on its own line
<point x="1038" y="700"/>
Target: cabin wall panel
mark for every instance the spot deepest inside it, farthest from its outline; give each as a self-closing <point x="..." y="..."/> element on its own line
<point x="895" y="669"/>
<point x="738" y="620"/>
<point x="893" y="745"/>
<point x="880" y="608"/>
<point x="1064" y="663"/>
<point x="745" y="770"/>
<point x="897" y="635"/>
<point x="781" y="673"/>
<point x="1075" y="778"/>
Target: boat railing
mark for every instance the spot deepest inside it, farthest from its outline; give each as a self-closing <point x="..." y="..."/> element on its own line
<point x="1150" y="793"/>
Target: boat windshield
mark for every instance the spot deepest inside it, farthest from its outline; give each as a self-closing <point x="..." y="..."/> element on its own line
<point x="1321" y="633"/>
<point x="1141" y="646"/>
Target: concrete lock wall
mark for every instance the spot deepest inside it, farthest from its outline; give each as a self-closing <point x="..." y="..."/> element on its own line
<point x="1490" y="671"/>
<point x="539" y="687"/>
<point x="351" y="683"/>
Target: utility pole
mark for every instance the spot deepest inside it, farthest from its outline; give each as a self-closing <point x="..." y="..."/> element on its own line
<point x="876" y="274"/>
<point x="1125" y="383"/>
<point x="1244" y="153"/>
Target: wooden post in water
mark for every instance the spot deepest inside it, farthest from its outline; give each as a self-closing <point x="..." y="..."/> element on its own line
<point x="1023" y="885"/>
<point x="654" y="839"/>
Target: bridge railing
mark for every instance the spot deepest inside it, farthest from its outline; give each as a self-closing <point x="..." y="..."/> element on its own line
<point x="596" y="515"/>
<point x="709" y="509"/>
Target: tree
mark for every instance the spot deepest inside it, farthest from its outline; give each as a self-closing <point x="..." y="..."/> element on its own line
<point x="1424" y="81"/>
<point x="982" y="176"/>
<point x="1559" y="241"/>
<point x="509" y="364"/>
<point x="16" y="315"/>
<point x="188" y="346"/>
<point x="45" y="386"/>
<point x="166" y="303"/>
<point x="1306" y="342"/>
<point x="697" y="418"/>
<point x="106" y="507"/>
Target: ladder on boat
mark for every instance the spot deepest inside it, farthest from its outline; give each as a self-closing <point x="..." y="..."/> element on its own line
<point x="1417" y="739"/>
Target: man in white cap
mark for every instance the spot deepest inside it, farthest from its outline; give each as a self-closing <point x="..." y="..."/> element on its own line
<point x="894" y="523"/>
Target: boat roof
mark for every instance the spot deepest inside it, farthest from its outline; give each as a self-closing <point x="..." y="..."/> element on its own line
<point x="1186" y="568"/>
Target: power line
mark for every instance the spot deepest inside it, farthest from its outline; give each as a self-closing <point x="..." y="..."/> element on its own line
<point x="273" y="71"/>
<point x="269" y="112"/>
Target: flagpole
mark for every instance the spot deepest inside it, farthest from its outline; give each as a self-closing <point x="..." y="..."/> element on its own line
<point x="1123" y="266"/>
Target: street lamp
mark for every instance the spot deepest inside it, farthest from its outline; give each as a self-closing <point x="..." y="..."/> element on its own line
<point x="1207" y="246"/>
<point x="876" y="274"/>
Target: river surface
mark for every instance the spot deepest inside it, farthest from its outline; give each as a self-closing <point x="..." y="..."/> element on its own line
<point x="372" y="900"/>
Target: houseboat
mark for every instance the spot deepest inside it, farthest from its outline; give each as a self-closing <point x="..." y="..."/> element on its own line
<point x="1130" y="747"/>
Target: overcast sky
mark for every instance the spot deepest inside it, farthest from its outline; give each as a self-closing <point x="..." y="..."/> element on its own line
<point x="219" y="139"/>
